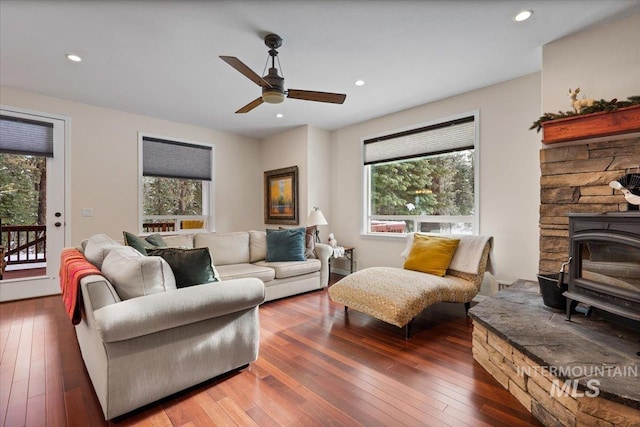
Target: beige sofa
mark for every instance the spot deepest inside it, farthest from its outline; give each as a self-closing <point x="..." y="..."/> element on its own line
<point x="142" y="337"/>
<point x="243" y="254"/>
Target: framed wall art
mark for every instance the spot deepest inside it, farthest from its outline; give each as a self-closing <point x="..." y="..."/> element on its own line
<point x="281" y="196"/>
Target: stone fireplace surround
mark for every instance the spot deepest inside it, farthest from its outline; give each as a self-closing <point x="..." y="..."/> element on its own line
<point x="517" y="339"/>
<point x="575" y="178"/>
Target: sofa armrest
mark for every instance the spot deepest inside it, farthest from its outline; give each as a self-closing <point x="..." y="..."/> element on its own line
<point x="324" y="252"/>
<point x="98" y="291"/>
<point x="166" y="310"/>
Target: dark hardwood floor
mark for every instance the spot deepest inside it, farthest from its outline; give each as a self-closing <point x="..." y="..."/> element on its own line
<point x="21" y="274"/>
<point x="317" y="366"/>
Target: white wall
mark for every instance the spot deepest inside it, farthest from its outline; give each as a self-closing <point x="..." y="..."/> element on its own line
<point x="282" y="151"/>
<point x="319" y="178"/>
<point x="509" y="175"/>
<point x="604" y="62"/>
<point x="104" y="166"/>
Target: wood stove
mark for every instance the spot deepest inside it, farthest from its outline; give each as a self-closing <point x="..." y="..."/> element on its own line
<point x="605" y="263"/>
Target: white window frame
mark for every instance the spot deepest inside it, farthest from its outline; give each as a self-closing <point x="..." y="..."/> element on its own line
<point x="366" y="216"/>
<point x="208" y="193"/>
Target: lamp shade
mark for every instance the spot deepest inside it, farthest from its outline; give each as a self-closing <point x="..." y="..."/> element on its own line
<point x="316" y="218"/>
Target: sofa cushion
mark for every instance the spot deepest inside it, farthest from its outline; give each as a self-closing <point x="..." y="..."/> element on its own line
<point x="292" y="268"/>
<point x="286" y="245"/>
<point x="179" y="241"/>
<point x="257" y="245"/>
<point x="190" y="266"/>
<point x="225" y="248"/>
<point x="431" y="254"/>
<point x="239" y="271"/>
<point x="134" y="275"/>
<point x="98" y="247"/>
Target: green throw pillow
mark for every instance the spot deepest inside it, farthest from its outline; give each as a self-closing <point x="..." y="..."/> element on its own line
<point x="156" y="240"/>
<point x="190" y="266"/>
<point x="141" y="245"/>
<point x="286" y="245"/>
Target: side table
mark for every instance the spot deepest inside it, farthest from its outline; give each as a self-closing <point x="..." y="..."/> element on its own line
<point x="348" y="254"/>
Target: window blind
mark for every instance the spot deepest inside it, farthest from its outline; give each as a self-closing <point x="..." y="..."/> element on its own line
<point x="446" y="137"/>
<point x="27" y="137"/>
<point x="172" y="159"/>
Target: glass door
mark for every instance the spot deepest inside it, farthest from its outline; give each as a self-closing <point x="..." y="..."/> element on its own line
<point x="32" y="203"/>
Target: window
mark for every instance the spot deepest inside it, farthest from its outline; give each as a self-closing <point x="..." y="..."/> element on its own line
<point x="176" y="189"/>
<point x="423" y="179"/>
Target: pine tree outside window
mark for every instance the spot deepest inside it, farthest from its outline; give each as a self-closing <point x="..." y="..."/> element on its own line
<point x="176" y="185"/>
<point x="423" y="179"/>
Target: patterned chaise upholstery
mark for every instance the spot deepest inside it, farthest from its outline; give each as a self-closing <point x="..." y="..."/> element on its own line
<point x="396" y="296"/>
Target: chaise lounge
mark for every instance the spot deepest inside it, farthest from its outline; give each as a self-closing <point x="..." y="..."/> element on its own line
<point x="398" y="295"/>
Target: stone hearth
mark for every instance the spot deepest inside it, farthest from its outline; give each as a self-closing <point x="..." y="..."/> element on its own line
<point x="579" y="373"/>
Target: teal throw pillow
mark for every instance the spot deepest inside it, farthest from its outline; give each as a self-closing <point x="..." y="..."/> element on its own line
<point x="190" y="266"/>
<point x="141" y="245"/>
<point x="286" y="245"/>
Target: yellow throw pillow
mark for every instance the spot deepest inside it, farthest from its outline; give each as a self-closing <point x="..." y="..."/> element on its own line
<point x="431" y="254"/>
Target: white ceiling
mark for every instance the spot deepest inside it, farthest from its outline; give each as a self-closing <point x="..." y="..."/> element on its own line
<point x="160" y="58"/>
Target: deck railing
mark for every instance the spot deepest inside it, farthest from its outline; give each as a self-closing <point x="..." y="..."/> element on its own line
<point x="24" y="244"/>
<point x="158" y="227"/>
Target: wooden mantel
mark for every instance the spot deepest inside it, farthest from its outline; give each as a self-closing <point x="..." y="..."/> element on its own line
<point x="621" y="121"/>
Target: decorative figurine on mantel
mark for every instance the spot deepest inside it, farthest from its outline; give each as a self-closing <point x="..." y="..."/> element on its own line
<point x="585" y="106"/>
<point x="579" y="104"/>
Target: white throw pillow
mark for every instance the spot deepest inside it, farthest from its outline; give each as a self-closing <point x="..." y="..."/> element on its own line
<point x="134" y="275"/>
<point x="407" y="247"/>
<point x="98" y="247"/>
<point x="184" y="241"/>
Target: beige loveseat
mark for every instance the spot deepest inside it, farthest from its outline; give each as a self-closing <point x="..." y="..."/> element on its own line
<point x="243" y="254"/>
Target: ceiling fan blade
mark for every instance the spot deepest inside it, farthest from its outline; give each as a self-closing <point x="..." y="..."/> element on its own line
<point x="309" y="95"/>
<point x="250" y="106"/>
<point x="246" y="71"/>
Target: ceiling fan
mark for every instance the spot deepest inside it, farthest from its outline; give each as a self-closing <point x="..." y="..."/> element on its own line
<point x="272" y="84"/>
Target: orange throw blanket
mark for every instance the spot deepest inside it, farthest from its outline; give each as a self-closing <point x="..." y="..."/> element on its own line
<point x="73" y="267"/>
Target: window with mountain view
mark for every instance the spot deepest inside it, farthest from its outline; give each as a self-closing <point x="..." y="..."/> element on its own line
<point x="423" y="179"/>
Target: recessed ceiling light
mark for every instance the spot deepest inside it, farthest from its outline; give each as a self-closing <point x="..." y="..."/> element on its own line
<point x="279" y="115"/>
<point x="523" y="16"/>
<point x="359" y="82"/>
<point x="73" y="57"/>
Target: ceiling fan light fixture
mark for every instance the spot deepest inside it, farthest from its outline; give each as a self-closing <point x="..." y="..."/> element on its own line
<point x="272" y="96"/>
